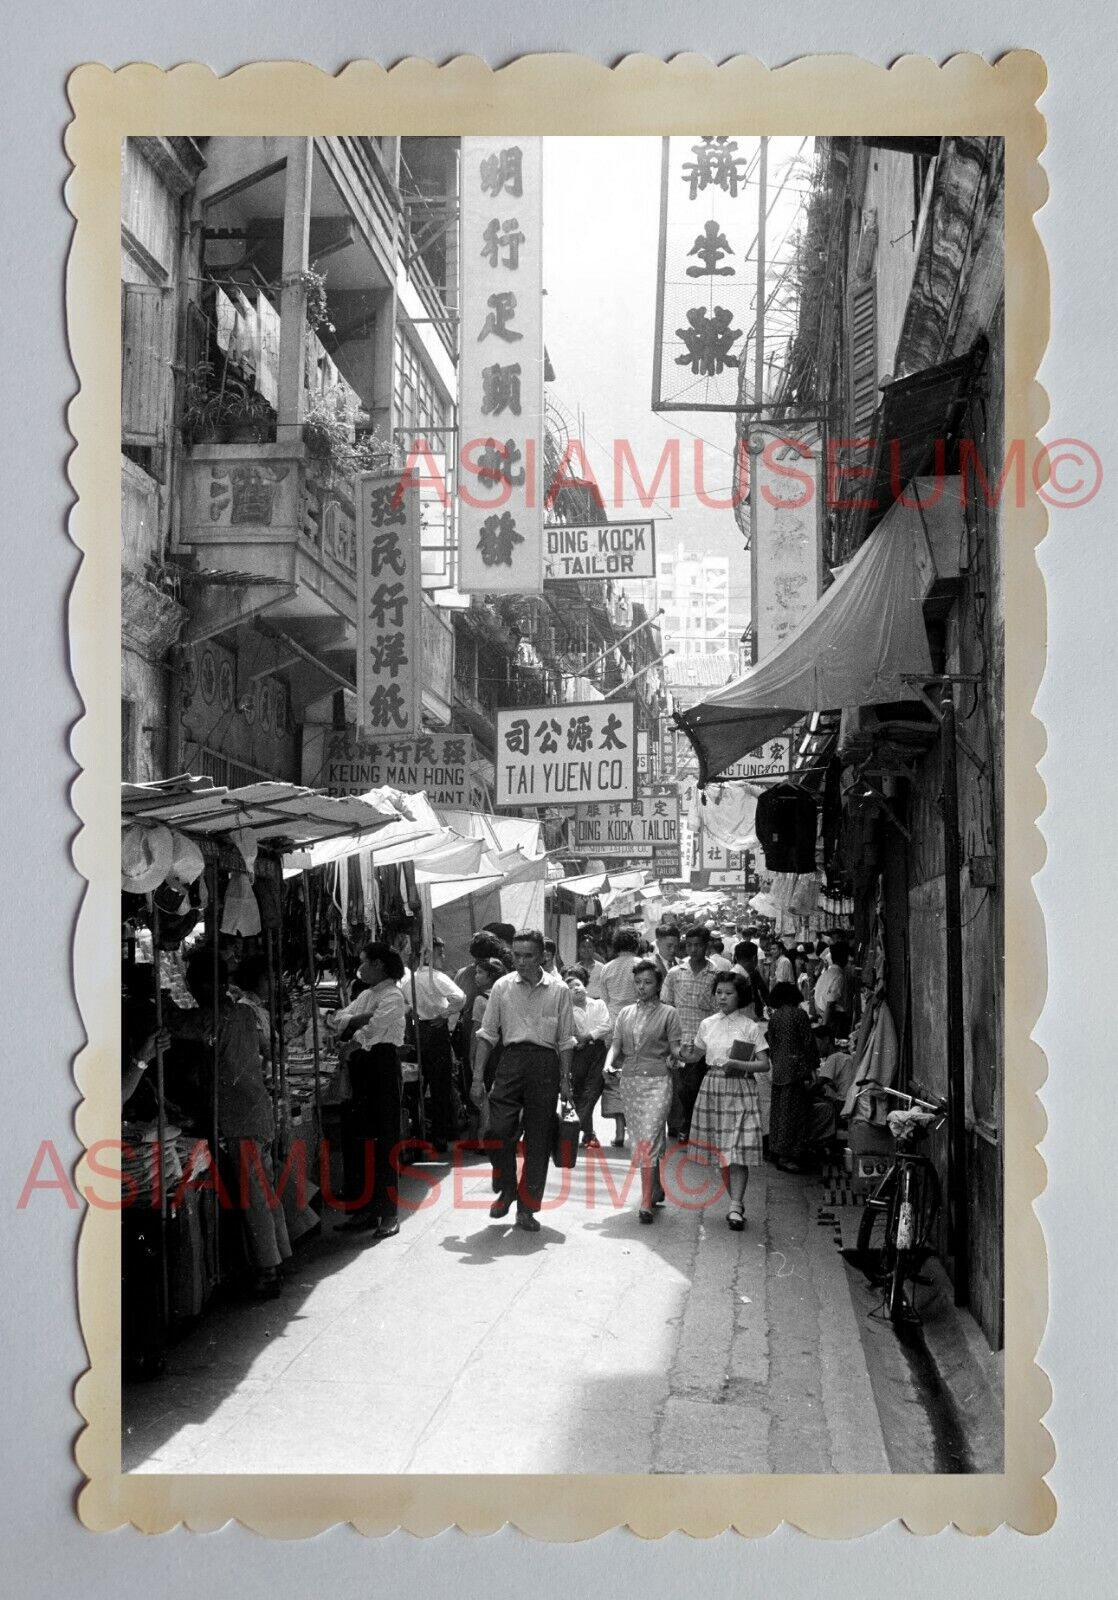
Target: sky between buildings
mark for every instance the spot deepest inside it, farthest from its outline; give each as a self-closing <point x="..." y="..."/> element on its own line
<point x="601" y="231"/>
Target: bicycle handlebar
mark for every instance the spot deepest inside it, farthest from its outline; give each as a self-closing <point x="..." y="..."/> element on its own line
<point x="937" y="1106"/>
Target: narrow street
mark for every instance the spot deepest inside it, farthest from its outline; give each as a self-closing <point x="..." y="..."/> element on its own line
<point x="596" y="1345"/>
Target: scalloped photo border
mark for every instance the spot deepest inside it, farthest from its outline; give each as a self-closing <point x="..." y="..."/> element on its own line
<point x="549" y="94"/>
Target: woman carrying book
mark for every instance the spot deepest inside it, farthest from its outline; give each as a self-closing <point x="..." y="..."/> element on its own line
<point x="726" y="1125"/>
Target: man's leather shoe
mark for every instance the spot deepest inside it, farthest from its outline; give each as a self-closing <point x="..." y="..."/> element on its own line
<point x="527" y="1221"/>
<point x="502" y="1205"/>
<point x="363" y="1222"/>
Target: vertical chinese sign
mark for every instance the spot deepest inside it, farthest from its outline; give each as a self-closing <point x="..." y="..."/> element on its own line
<point x="707" y="284"/>
<point x="389" y="605"/>
<point x="788" y="536"/>
<point x="500" y="367"/>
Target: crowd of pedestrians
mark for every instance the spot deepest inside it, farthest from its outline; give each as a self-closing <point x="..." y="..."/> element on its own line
<point x="722" y="1041"/>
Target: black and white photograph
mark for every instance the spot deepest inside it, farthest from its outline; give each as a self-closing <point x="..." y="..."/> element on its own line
<point x="562" y="916"/>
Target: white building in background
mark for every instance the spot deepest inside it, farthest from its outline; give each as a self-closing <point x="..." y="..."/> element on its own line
<point x="694" y="591"/>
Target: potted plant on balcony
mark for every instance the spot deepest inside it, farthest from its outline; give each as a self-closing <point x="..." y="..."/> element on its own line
<point x="334" y="454"/>
<point x="228" y="411"/>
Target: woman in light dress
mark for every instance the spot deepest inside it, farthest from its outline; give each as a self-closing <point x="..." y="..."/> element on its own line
<point x="726" y="1124"/>
<point x="646" y="1042"/>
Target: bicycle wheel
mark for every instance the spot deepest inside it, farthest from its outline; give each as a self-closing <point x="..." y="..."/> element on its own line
<point x="905" y="1230"/>
<point x="875" y="1229"/>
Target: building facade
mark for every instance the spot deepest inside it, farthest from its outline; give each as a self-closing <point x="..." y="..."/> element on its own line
<point x="900" y="351"/>
<point x="694" y="592"/>
<point x="289" y="317"/>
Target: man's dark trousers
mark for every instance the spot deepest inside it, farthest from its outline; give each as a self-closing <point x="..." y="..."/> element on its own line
<point x="586" y="1081"/>
<point x="438" y="1070"/>
<point x="690" y="1082"/>
<point x="375" y="1117"/>
<point x="524" y="1094"/>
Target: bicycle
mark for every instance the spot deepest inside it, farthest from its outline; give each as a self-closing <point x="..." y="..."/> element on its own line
<point x="900" y="1214"/>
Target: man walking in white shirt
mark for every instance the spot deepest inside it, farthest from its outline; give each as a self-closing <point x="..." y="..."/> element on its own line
<point x="438" y="1004"/>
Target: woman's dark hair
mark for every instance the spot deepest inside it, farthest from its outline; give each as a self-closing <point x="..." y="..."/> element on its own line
<point x="549" y="947"/>
<point x="742" y="987"/>
<point x="388" y="958"/>
<point x="503" y="930"/>
<point x="250" y="971"/>
<point x="577" y="971"/>
<point x="650" y="966"/>
<point x="484" y="947"/>
<point x="784" y="994"/>
<point x="626" y="941"/>
<point x="200" y="969"/>
<point x="493" y="966"/>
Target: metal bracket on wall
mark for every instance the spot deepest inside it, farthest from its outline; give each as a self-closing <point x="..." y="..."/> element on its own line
<point x="918" y="683"/>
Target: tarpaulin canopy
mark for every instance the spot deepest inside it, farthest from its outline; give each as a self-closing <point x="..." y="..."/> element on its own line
<point x="501" y="833"/>
<point x="854" y="647"/>
<point x="413" y="828"/>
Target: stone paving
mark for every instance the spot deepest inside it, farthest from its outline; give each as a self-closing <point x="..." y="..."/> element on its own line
<point x="596" y="1345"/>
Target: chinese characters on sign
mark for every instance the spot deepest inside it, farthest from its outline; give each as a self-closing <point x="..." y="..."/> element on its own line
<point x="389" y="665"/>
<point x="771" y="760"/>
<point x="500" y="367"/>
<point x="564" y="754"/>
<point x="437" y="764"/>
<point x="788" y="538"/>
<point x="623" y="831"/>
<point x="608" y="550"/>
<point x="708" y="278"/>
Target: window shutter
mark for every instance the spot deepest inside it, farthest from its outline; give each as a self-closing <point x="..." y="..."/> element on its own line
<point x="863" y="360"/>
<point x="144" y="368"/>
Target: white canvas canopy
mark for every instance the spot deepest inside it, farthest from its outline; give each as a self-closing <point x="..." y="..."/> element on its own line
<point x="854" y="647"/>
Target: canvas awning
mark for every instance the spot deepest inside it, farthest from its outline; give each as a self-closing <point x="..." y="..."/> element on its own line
<point x="854" y="647"/>
<point x="413" y="830"/>
<point x="268" y="813"/>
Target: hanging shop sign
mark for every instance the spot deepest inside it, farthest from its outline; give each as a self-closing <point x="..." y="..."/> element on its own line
<point x="389" y="603"/>
<point x="605" y="550"/>
<point x="437" y="764"/>
<point x="707" y="285"/>
<point x="582" y="753"/>
<point x="500" y="367"/>
<point x="772" y="760"/>
<point x="787" y="539"/>
<point x="645" y="829"/>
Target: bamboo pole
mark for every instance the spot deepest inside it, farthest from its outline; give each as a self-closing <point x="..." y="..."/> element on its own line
<point x="313" y="979"/>
<point x="160" y="1126"/>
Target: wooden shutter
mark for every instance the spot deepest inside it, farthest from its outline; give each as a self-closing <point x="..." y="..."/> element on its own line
<point x="144" y="363"/>
<point x="863" y="360"/>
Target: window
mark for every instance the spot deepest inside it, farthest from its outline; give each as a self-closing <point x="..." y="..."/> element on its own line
<point x="144" y="363"/>
<point x="418" y="402"/>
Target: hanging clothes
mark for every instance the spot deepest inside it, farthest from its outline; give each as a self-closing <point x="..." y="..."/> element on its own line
<point x="786" y="828"/>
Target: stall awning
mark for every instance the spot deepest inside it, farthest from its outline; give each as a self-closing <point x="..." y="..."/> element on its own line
<point x="270" y="812"/>
<point x="854" y="647"/>
<point x="413" y="831"/>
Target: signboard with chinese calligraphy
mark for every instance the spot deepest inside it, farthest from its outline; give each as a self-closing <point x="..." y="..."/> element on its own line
<point x="645" y="829"/>
<point x="707" y="284"/>
<point x="389" y="598"/>
<point x="500" y="367"/>
<point x="437" y="764"/>
<point x="564" y="754"/>
<point x="772" y="760"/>
<point x="602" y="550"/>
<point x="788" y="541"/>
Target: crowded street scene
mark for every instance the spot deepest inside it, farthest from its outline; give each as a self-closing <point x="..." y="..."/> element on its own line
<point x="561" y="923"/>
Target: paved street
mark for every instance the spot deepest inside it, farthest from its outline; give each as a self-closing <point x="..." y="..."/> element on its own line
<point x="596" y="1345"/>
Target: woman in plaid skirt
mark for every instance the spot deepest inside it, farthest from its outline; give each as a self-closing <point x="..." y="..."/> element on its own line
<point x="726" y="1125"/>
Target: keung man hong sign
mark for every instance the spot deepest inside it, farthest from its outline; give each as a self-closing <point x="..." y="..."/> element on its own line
<point x="602" y="550"/>
<point x="566" y="754"/>
<point x="436" y="764"/>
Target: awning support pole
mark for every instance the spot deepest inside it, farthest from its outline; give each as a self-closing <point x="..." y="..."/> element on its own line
<point x="216" y="1019"/>
<point x="160" y="1125"/>
<point x="313" y="979"/>
<point x="956" y="1057"/>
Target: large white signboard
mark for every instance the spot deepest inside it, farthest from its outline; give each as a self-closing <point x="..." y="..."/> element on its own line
<point x="644" y="829"/>
<point x="566" y="754"/>
<point x="600" y="550"/>
<point x="500" y="367"/>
